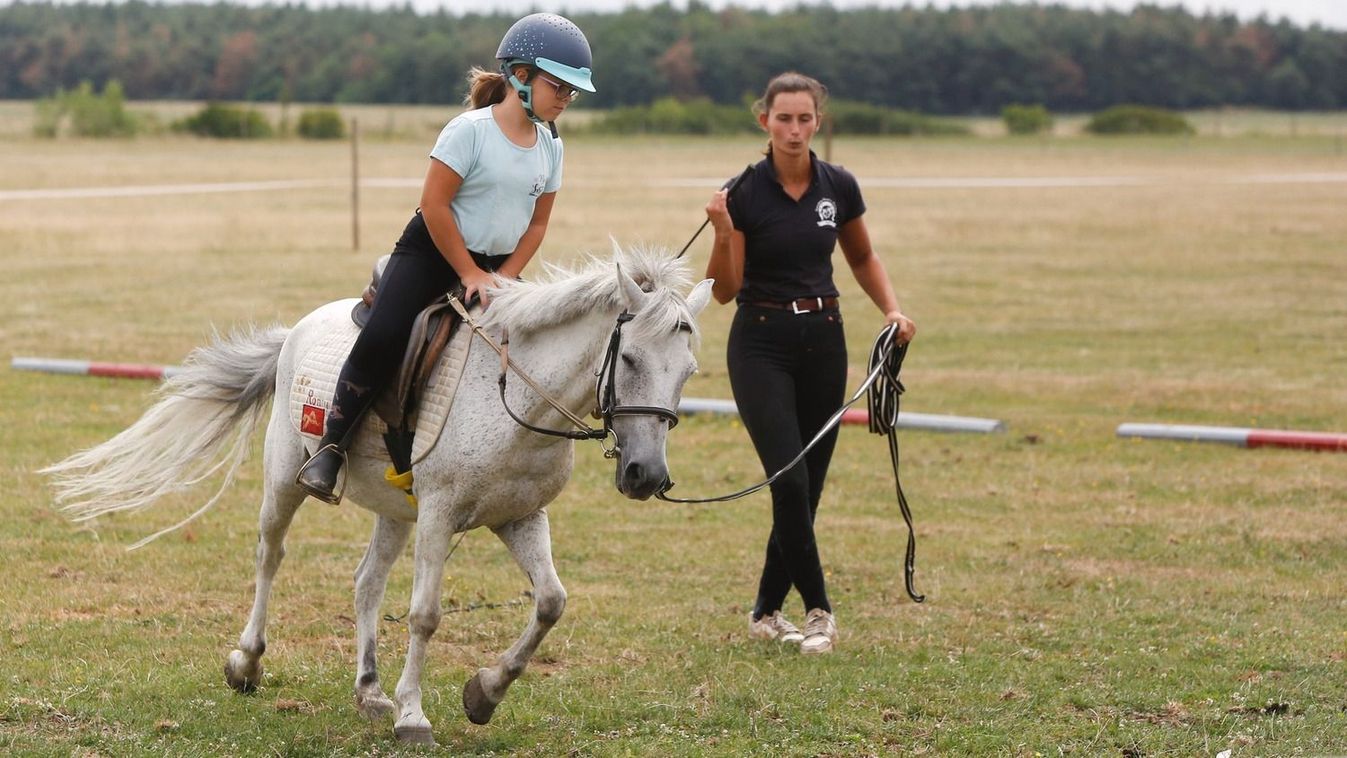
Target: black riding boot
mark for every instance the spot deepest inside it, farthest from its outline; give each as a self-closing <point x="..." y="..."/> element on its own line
<point x="318" y="476"/>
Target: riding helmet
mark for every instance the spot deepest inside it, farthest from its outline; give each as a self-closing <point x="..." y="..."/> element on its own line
<point x="551" y="43"/>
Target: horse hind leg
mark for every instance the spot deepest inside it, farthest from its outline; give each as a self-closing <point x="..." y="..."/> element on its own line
<point x="530" y="542"/>
<point x="371" y="579"/>
<point x="280" y="501"/>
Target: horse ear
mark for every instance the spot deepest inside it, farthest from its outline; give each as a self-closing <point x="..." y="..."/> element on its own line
<point x="617" y="249"/>
<point x="631" y="291"/>
<point x="700" y="296"/>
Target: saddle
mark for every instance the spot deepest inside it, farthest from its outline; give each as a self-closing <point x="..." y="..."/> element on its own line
<point x="398" y="405"/>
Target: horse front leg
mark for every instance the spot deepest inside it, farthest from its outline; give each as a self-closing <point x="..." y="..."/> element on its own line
<point x="530" y="542"/>
<point x="371" y="579"/>
<point x="433" y="533"/>
<point x="243" y="667"/>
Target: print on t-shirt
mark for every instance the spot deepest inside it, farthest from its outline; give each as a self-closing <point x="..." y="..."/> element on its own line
<point x="827" y="212"/>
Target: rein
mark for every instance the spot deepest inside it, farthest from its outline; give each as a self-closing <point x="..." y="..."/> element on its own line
<point x="605" y="393"/>
<point x="884" y="387"/>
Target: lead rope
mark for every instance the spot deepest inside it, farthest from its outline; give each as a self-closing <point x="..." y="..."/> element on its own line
<point x="884" y="387"/>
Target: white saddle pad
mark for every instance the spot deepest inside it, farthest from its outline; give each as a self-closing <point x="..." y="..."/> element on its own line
<point x="316" y="381"/>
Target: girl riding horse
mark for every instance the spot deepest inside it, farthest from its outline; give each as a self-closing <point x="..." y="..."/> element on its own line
<point x="488" y="194"/>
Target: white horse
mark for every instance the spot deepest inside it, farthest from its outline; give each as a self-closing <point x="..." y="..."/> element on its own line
<point x="485" y="470"/>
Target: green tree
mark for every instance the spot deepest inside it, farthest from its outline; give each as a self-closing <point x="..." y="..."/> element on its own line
<point x="925" y="59"/>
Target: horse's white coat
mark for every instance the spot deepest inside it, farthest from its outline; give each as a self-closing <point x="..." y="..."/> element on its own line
<point x="485" y="471"/>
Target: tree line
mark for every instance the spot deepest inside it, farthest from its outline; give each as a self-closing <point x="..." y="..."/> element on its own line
<point x="944" y="61"/>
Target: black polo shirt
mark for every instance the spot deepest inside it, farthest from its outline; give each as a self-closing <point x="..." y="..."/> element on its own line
<point x="788" y="243"/>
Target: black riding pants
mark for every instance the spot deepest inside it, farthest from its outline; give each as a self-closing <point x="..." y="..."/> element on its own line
<point x="416" y="274"/>
<point x="788" y="372"/>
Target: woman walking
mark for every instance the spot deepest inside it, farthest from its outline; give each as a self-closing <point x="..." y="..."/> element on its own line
<point x="485" y="204"/>
<point x="787" y="356"/>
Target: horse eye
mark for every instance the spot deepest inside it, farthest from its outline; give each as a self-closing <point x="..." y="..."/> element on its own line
<point x="628" y="361"/>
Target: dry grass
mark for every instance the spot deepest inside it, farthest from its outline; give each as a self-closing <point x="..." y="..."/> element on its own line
<point x="1087" y="594"/>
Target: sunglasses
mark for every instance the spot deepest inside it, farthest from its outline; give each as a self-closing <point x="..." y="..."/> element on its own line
<point x="564" y="91"/>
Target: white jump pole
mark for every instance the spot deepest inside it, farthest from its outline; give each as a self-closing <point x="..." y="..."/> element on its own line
<point x="1238" y="436"/>
<point x="93" y="368"/>
<point x="927" y="421"/>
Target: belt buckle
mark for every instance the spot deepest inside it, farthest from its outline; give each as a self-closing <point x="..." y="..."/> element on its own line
<point x="795" y="305"/>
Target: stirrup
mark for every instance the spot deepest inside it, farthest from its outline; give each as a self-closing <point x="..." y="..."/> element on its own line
<point x="334" y="495"/>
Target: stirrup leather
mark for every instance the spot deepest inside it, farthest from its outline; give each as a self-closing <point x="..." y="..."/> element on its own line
<point x="334" y="496"/>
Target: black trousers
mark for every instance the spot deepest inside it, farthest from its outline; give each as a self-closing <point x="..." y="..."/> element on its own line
<point x="788" y="373"/>
<point x="415" y="275"/>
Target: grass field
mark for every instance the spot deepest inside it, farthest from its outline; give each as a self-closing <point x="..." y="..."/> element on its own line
<point x="1087" y="595"/>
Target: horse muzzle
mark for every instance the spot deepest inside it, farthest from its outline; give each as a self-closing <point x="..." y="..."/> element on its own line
<point x="641" y="481"/>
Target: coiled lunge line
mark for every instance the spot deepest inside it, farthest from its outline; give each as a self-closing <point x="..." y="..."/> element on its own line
<point x="883" y="404"/>
<point x="884" y="388"/>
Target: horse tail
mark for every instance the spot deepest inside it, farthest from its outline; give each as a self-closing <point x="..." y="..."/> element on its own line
<point x="203" y="422"/>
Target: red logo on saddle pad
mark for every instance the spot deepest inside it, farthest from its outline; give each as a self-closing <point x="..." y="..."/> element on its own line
<point x="311" y="420"/>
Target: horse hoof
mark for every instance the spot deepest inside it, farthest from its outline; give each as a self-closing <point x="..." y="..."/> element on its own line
<point x="374" y="706"/>
<point x="242" y="675"/>
<point x="414" y="735"/>
<point x="475" y="702"/>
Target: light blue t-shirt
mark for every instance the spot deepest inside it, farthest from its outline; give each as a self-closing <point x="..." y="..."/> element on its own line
<point x="501" y="180"/>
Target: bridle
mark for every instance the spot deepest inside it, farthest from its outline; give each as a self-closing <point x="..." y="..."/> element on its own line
<point x="605" y="386"/>
<point x="606" y="406"/>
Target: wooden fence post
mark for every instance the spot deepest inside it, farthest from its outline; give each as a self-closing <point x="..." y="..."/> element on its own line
<point x="355" y="185"/>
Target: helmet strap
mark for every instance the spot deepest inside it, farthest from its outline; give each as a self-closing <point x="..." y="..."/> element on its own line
<point x="525" y="91"/>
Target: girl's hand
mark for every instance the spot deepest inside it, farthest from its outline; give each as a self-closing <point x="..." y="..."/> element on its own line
<point x="719" y="212"/>
<point x="906" y="328"/>
<point x="476" y="283"/>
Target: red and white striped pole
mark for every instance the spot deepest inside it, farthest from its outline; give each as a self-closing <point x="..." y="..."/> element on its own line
<point x="94" y="368"/>
<point x="1239" y="436"/>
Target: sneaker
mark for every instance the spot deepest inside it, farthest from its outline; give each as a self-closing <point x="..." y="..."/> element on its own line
<point x="820" y="632"/>
<point x="774" y="627"/>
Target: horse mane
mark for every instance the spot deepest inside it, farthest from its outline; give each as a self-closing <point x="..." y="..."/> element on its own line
<point x="563" y="293"/>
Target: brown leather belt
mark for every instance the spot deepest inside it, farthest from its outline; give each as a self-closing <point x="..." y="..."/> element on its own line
<point x="803" y="305"/>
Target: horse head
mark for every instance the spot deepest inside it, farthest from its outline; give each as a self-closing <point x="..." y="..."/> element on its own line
<point x="649" y="361"/>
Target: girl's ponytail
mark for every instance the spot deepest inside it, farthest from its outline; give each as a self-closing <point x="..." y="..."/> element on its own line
<point x="485" y="88"/>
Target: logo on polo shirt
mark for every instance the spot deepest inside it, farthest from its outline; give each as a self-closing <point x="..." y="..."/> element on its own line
<point x="827" y="212"/>
<point x="539" y="184"/>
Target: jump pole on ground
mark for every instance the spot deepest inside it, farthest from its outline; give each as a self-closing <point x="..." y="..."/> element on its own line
<point x="927" y="421"/>
<point x="1238" y="436"/>
<point x="94" y="368"/>
<point x="688" y="405"/>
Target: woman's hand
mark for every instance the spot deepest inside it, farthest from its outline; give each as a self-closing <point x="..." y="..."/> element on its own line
<point x="718" y="210"/>
<point x="475" y="282"/>
<point x="906" y="328"/>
